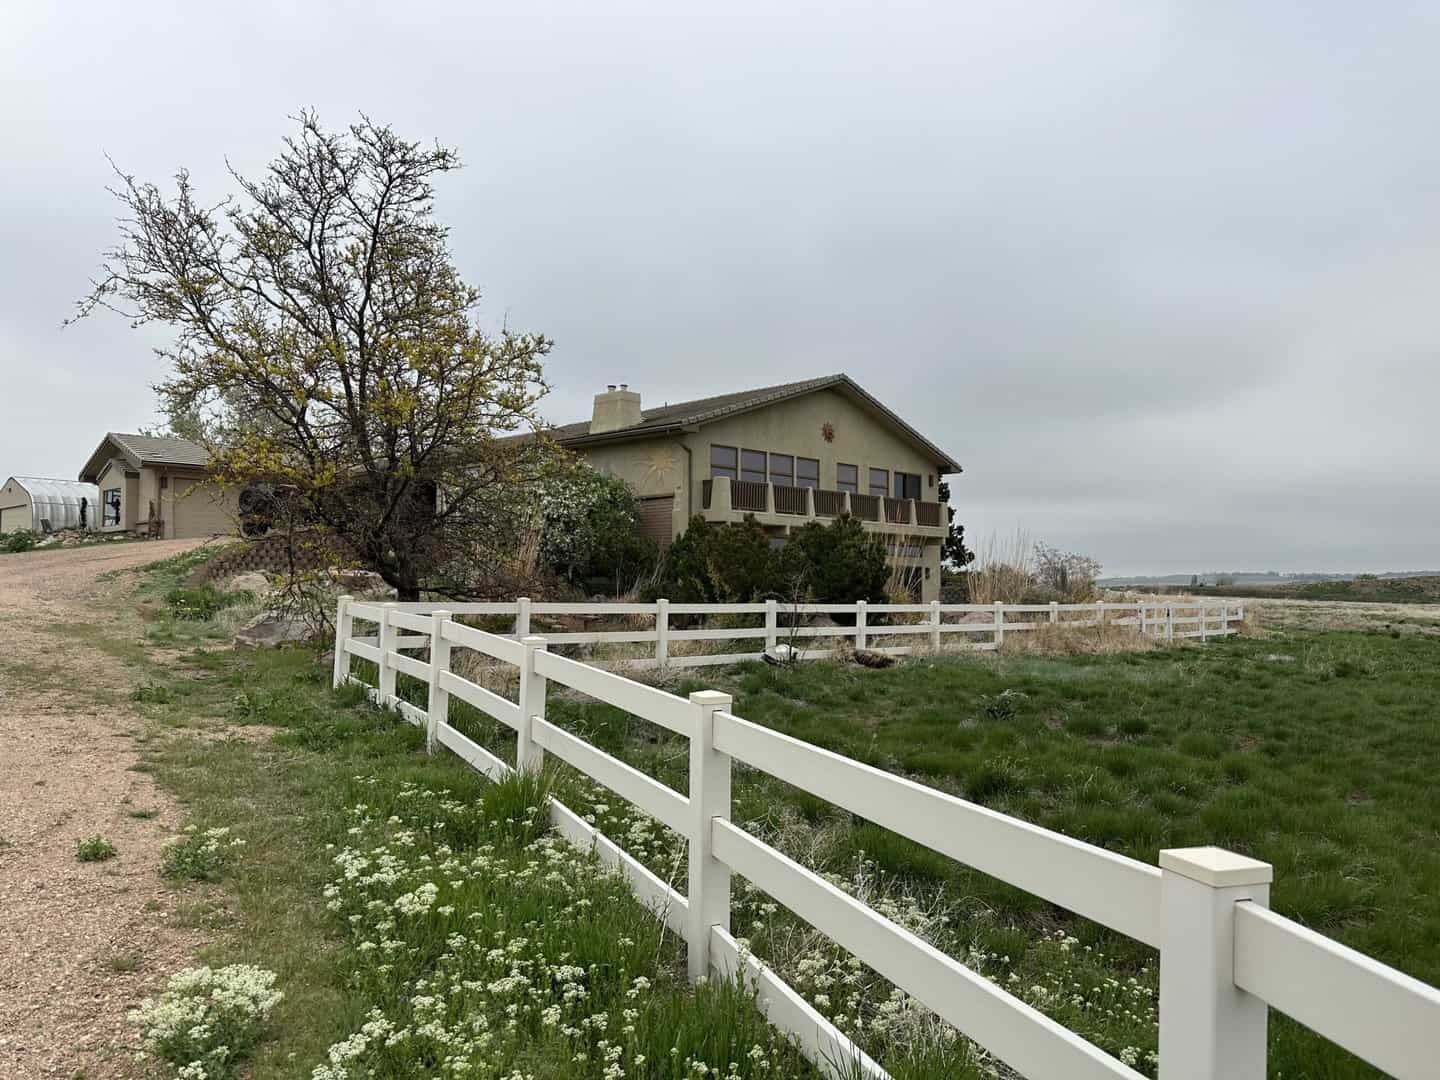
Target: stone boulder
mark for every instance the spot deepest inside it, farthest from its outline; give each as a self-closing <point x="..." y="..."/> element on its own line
<point x="269" y="629"/>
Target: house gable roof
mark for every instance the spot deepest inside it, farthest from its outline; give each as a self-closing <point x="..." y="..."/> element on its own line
<point x="145" y="450"/>
<point x="685" y="415"/>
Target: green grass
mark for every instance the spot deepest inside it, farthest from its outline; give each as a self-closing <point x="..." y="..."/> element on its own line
<point x="1312" y="751"/>
<point x="94" y="849"/>
<point x="1367" y="589"/>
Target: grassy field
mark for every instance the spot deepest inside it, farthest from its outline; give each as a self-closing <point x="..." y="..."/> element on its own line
<point x="1369" y="590"/>
<point x="1313" y="751"/>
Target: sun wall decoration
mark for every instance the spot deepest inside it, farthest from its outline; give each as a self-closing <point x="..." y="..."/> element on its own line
<point x="659" y="469"/>
<point x="827" y="431"/>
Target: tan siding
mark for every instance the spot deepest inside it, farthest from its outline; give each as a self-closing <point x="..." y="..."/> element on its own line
<point x="196" y="510"/>
<point x="15" y="517"/>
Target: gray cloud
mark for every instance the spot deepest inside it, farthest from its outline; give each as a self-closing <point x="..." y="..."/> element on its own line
<point x="1161" y="275"/>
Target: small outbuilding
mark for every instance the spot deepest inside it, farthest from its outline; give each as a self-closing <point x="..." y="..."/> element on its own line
<point x="156" y="485"/>
<point x="41" y="504"/>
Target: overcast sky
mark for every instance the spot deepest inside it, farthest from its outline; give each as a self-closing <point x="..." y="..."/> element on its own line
<point x="1162" y="276"/>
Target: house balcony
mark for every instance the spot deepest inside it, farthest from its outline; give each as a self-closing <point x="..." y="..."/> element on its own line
<point x="777" y="505"/>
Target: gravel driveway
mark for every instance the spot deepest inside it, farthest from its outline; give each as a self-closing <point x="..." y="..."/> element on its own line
<point x="80" y="943"/>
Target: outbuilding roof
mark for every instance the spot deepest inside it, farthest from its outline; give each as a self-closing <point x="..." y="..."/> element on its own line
<point x="143" y="450"/>
<point x="680" y="415"/>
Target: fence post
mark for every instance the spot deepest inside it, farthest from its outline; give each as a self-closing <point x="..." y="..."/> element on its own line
<point x="533" y="685"/>
<point x="1169" y="622"/>
<point x="860" y="638"/>
<point x="1210" y="1029"/>
<point x="1054" y="612"/>
<point x="772" y="623"/>
<point x="437" y="710"/>
<point x="709" y="886"/>
<point x="522" y="617"/>
<point x="344" y="628"/>
<point x="1100" y="615"/>
<point x="935" y="624"/>
<point x="999" y="623"/>
<point x="662" y="634"/>
<point x="386" y="641"/>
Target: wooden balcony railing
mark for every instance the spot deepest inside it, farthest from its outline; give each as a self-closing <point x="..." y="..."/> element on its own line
<point x="865" y="507"/>
<point x="754" y="497"/>
<point x="749" y="495"/>
<point x="791" y="500"/>
<point x="897" y="511"/>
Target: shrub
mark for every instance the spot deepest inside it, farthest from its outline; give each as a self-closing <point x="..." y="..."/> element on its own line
<point x="203" y="602"/>
<point x="842" y="563"/>
<point x="590" y="534"/>
<point x="19" y="540"/>
<point x="94" y="849"/>
<point x="835" y="563"/>
<point x="208" y="1021"/>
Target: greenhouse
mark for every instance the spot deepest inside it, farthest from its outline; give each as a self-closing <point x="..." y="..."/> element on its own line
<point x="43" y="505"/>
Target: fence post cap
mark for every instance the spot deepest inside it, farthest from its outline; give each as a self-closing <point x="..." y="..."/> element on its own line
<point x="1216" y="867"/>
<point x="533" y="641"/>
<point x="717" y="698"/>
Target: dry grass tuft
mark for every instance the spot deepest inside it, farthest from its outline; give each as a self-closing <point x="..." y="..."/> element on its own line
<point x="1062" y="640"/>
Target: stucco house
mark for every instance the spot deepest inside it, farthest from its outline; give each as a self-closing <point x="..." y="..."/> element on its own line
<point x="155" y="484"/>
<point x="789" y="454"/>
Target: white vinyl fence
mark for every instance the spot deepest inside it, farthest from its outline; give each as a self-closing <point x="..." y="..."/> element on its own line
<point x="1225" y="959"/>
<point x="932" y="626"/>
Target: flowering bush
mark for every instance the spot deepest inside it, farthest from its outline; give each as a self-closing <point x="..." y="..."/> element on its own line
<point x="208" y="1020"/>
<point x="201" y="856"/>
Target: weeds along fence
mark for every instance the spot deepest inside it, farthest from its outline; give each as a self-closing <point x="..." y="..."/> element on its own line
<point x="1225" y="958"/>
<point x="661" y="635"/>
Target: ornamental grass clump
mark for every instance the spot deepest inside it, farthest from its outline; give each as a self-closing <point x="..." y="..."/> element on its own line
<point x="208" y="1021"/>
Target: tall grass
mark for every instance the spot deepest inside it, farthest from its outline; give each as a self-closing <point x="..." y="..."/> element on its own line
<point x="1003" y="570"/>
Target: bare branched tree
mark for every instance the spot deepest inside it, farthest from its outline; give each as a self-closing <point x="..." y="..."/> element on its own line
<point x="327" y="348"/>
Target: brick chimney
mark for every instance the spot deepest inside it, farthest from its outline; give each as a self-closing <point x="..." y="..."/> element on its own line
<point x="615" y="409"/>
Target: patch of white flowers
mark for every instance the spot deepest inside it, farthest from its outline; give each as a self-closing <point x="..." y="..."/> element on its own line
<point x="208" y="1020"/>
<point x="468" y="953"/>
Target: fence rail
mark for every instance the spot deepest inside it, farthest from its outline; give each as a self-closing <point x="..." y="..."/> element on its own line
<point x="1225" y="959"/>
<point x="936" y="625"/>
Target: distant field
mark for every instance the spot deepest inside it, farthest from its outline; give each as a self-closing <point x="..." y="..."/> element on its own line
<point x="1413" y="590"/>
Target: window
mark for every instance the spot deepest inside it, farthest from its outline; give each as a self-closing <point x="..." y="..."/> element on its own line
<point x="807" y="472"/>
<point x="847" y="478"/>
<point x="879" y="481"/>
<point x="110" y="506"/>
<point x="723" y="462"/>
<point x="752" y="466"/>
<point x="782" y="470"/>
<point x="907" y="485"/>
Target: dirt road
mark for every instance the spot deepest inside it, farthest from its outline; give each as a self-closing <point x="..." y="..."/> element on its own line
<point x="80" y="943"/>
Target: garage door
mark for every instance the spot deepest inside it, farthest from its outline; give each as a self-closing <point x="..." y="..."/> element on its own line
<point x="656" y="515"/>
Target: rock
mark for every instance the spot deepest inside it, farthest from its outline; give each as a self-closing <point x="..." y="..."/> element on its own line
<point x="781" y="654"/>
<point x="359" y="582"/>
<point x="866" y="658"/>
<point x="269" y="629"/>
<point x="253" y="581"/>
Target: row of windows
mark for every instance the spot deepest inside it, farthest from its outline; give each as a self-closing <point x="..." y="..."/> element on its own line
<point x="790" y="471"/>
